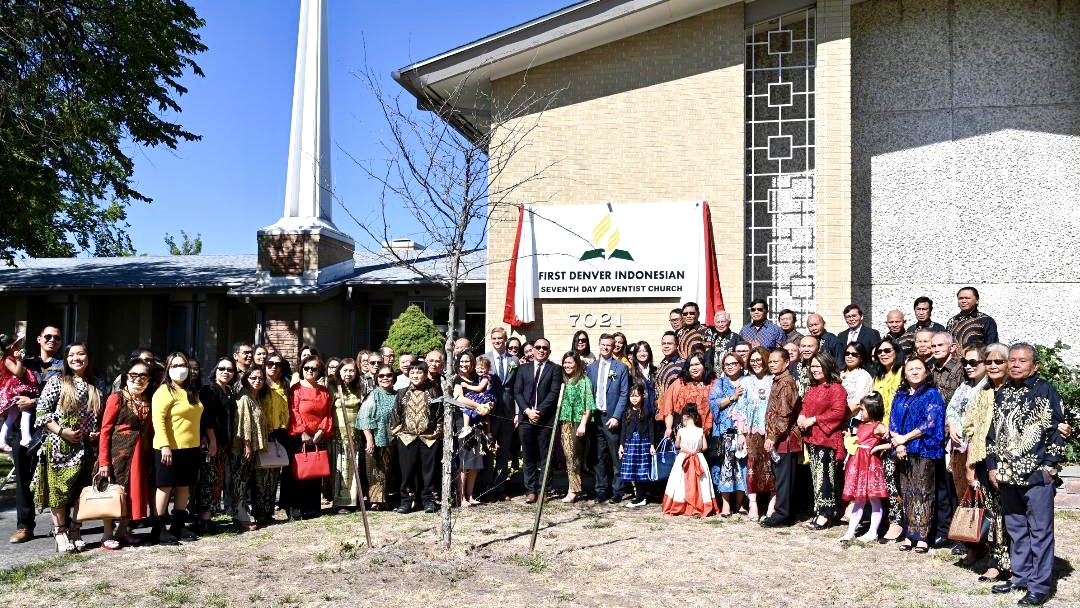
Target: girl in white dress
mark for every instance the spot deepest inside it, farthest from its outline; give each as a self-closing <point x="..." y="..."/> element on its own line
<point x="689" y="488"/>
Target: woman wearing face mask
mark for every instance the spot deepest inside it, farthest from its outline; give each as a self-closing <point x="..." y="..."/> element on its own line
<point x="345" y="392"/>
<point x="68" y="408"/>
<point x="124" y="452"/>
<point x="218" y="426"/>
<point x="177" y="414"/>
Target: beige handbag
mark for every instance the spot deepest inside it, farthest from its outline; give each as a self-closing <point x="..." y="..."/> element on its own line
<point x="102" y="499"/>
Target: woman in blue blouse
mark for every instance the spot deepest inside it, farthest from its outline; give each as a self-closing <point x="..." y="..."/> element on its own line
<point x="728" y="472"/>
<point x="917" y="427"/>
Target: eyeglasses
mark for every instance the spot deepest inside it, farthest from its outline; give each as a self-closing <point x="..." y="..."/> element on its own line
<point x="851" y="354"/>
<point x="971" y="362"/>
<point x="541" y="348"/>
<point x="995" y="361"/>
<point x="226" y="369"/>
<point x="375" y="362"/>
<point x="733" y="363"/>
<point x="886" y="350"/>
<point x="309" y="368"/>
<point x="689" y="313"/>
<point x="582" y="340"/>
<point x="254" y="379"/>
<point x="386" y="375"/>
<point x="757" y="309"/>
<point x="513" y="348"/>
<point x="178" y="366"/>
<point x="51" y="337"/>
<point x="136" y="376"/>
<point x="757" y="360"/>
<point x="273" y="364"/>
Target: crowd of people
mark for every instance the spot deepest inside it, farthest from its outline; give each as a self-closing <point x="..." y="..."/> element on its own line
<point x="887" y="431"/>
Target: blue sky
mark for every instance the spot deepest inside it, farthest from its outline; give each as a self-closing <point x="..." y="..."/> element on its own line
<point x="232" y="183"/>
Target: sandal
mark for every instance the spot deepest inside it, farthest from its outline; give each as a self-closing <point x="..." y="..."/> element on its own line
<point x="63" y="544"/>
<point x="76" y="539"/>
<point x="130" y="539"/>
<point x="111" y="544"/>
<point x="922" y="549"/>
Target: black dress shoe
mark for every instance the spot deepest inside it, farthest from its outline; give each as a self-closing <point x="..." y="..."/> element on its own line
<point x="942" y="543"/>
<point x="404" y="508"/>
<point x="601" y="498"/>
<point x="774" y="522"/>
<point x="617" y="498"/>
<point x="430" y="507"/>
<point x="1006" y="587"/>
<point x="1033" y="599"/>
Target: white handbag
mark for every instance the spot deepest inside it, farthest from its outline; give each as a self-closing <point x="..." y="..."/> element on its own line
<point x="273" y="457"/>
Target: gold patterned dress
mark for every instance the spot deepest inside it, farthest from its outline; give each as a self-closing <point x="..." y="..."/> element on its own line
<point x="346" y="405"/>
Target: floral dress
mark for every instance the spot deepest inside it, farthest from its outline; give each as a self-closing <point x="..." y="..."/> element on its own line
<point x="749" y="414"/>
<point x="63" y="467"/>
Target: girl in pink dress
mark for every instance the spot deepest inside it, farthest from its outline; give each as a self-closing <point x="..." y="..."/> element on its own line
<point x="15" y="381"/>
<point x="864" y="477"/>
<point x="689" y="488"/>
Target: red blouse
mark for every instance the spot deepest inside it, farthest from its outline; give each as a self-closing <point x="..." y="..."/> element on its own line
<point x="828" y="404"/>
<point x="310" y="410"/>
<point x="679" y="394"/>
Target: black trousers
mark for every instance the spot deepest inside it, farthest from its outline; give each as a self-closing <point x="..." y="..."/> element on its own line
<point x="785" y="483"/>
<point x="534" y="445"/>
<point x="419" y="466"/>
<point x="24" y="496"/>
<point x="502" y="431"/>
<point x="607" y="457"/>
<point x="944" y="499"/>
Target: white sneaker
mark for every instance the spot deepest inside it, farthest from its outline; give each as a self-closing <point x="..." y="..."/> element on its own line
<point x="847" y="538"/>
<point x="465" y="432"/>
<point x="632" y="505"/>
<point x="867" y="538"/>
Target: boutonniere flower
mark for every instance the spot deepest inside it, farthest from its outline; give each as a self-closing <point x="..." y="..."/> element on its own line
<point x="611" y="374"/>
<point x="513" y="364"/>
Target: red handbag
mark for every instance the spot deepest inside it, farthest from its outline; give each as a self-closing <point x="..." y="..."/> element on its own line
<point x="311" y="464"/>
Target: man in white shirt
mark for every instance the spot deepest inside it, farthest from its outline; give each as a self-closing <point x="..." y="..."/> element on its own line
<point x="503" y="367"/>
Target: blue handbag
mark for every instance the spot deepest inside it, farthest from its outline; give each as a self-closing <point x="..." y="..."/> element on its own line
<point x="663" y="460"/>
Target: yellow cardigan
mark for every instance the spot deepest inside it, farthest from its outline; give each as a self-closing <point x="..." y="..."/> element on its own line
<point x="176" y="422"/>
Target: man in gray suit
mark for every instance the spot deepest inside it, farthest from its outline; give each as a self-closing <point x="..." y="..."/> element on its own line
<point x="610" y="379"/>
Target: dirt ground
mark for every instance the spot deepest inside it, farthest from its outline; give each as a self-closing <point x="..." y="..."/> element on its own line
<point x="587" y="555"/>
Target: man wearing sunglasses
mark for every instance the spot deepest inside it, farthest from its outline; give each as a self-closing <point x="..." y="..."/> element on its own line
<point x="44" y="365"/>
<point x="693" y="334"/>
<point x="760" y="331"/>
<point x="536" y="387"/>
<point x="504" y="366"/>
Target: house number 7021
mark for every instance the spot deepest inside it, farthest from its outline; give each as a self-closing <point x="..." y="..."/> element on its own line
<point x="590" y="320"/>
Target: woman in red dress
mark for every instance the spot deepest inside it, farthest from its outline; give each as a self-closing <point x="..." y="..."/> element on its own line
<point x="311" y="419"/>
<point x="824" y="409"/>
<point x="124" y="451"/>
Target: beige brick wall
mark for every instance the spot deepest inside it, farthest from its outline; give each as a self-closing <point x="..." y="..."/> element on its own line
<point x="833" y="114"/>
<point x="654" y="117"/>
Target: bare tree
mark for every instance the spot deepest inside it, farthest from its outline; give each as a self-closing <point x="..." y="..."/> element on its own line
<point x="451" y="186"/>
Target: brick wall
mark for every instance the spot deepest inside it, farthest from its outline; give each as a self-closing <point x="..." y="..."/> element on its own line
<point x="282" y="329"/>
<point x="832" y="105"/>
<point x="651" y="118"/>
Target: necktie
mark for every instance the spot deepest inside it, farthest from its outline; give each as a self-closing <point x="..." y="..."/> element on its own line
<point x="536" y="383"/>
<point x="853" y="336"/>
<point x="601" y="390"/>
<point x="502" y="370"/>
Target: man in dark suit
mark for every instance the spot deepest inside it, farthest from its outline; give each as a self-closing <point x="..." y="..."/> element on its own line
<point x="610" y="380"/>
<point x="503" y="369"/>
<point x="827" y="342"/>
<point x="856" y="331"/>
<point x="536" y="389"/>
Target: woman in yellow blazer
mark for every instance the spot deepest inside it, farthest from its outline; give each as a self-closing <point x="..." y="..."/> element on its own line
<point x="176" y="411"/>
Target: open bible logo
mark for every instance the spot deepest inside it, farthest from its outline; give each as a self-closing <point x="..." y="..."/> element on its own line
<point x="605" y="235"/>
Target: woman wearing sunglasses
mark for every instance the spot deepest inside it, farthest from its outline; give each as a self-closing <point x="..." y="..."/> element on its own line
<point x="311" y="419"/>
<point x="374" y="421"/>
<point x="218" y="426"/>
<point x="124" y="453"/>
<point x="888" y="374"/>
<point x="975" y="378"/>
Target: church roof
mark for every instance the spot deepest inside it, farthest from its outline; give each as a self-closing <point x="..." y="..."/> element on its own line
<point x="235" y="273"/>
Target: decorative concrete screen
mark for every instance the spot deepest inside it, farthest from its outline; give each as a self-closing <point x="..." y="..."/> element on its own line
<point x="780" y="204"/>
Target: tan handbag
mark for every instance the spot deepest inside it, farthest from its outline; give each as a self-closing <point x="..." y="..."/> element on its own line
<point x="970" y="522"/>
<point x="102" y="499"/>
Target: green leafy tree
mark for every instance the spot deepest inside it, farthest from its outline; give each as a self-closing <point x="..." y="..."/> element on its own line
<point x="1066" y="379"/>
<point x="80" y="82"/>
<point x="414" y="332"/>
<point x="188" y="246"/>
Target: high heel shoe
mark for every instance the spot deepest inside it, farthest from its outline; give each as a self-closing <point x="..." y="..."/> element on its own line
<point x="76" y="539"/>
<point x="571" y="497"/>
<point x="63" y="544"/>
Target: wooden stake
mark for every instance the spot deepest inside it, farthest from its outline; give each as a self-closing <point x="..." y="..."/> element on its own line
<point x="547" y="468"/>
<point x="348" y="433"/>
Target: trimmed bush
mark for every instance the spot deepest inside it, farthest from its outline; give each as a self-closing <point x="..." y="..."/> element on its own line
<point x="414" y="332"/>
